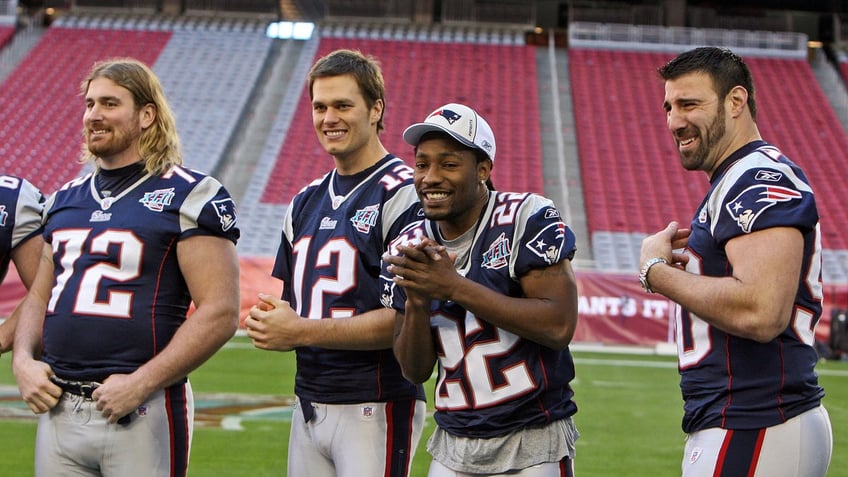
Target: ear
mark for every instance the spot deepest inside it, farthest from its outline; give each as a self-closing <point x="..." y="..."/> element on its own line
<point x="738" y="100"/>
<point x="484" y="170"/>
<point x="377" y="111"/>
<point x="146" y="115"/>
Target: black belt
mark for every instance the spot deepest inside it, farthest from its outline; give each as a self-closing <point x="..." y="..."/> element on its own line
<point x="84" y="389"/>
<point x="78" y="388"/>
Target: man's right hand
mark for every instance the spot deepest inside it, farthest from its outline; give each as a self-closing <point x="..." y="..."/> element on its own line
<point x="33" y="377"/>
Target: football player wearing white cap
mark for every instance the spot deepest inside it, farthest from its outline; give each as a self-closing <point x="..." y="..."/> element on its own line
<point x="355" y="414"/>
<point x="483" y="286"/>
<point x="20" y="239"/>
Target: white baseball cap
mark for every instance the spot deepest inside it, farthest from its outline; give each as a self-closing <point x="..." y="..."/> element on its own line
<point x="461" y="122"/>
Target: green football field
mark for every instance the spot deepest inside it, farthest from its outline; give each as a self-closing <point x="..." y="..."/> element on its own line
<point x="629" y="415"/>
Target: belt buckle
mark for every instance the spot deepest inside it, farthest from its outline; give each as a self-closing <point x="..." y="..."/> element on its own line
<point x="87" y="388"/>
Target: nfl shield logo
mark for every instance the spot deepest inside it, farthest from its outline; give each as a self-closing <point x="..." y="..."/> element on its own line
<point x="367" y="411"/>
<point x="696" y="453"/>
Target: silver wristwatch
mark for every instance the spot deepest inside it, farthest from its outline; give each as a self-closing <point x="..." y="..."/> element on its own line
<point x="643" y="274"/>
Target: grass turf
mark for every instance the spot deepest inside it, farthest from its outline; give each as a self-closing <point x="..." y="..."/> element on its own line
<point x="629" y="416"/>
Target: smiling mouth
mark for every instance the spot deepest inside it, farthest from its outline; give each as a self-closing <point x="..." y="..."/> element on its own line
<point x="435" y="196"/>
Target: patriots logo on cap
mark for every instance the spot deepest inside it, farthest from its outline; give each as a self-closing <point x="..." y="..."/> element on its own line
<point x="450" y="116"/>
<point x="754" y="200"/>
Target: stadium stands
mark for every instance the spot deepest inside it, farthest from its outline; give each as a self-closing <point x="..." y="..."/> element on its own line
<point x="207" y="69"/>
<point x="40" y="139"/>
<point x="6" y="34"/>
<point x="632" y="182"/>
<point x="632" y="178"/>
<point x="473" y="73"/>
<point x="420" y="75"/>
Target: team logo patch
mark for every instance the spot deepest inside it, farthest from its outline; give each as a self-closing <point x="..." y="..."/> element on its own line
<point x="387" y="297"/>
<point x="703" y="216"/>
<point x="364" y="219"/>
<point x="226" y="210"/>
<point x="158" y="199"/>
<point x="100" y="216"/>
<point x="450" y="116"/>
<point x="107" y="202"/>
<point x="695" y="455"/>
<point x="3" y="215"/>
<point x="754" y="200"/>
<point x="769" y="176"/>
<point x="547" y="244"/>
<point x="497" y="256"/>
<point x="328" y="224"/>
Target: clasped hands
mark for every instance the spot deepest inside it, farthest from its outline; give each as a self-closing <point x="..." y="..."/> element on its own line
<point x="424" y="270"/>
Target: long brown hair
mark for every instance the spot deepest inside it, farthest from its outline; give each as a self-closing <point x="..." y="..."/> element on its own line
<point x="159" y="144"/>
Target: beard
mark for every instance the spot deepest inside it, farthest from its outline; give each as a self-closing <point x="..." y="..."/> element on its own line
<point x="698" y="159"/>
<point x="120" y="140"/>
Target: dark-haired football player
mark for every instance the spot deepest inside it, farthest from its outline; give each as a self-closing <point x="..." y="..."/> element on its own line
<point x="748" y="283"/>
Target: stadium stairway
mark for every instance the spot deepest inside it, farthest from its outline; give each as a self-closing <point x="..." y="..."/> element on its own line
<point x="563" y="182"/>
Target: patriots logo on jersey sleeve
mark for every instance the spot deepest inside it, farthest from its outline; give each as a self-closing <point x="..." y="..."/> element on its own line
<point x="754" y="200"/>
<point x="3" y="215"/>
<point x="226" y="210"/>
<point x="388" y="295"/>
<point x="547" y="244"/>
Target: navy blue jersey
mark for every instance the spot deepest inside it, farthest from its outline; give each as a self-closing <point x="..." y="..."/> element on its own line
<point x="491" y="381"/>
<point x="20" y="216"/>
<point x="733" y="382"/>
<point x="118" y="294"/>
<point x="329" y="261"/>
